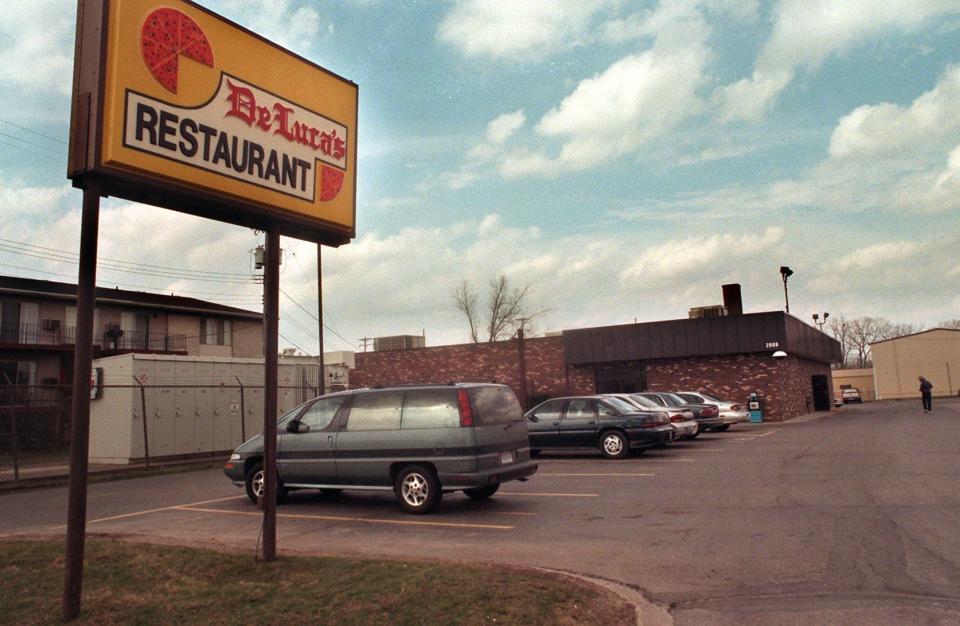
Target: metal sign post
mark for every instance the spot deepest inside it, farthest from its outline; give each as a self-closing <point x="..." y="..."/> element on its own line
<point x="80" y="414"/>
<point x="271" y="328"/>
<point x="323" y="374"/>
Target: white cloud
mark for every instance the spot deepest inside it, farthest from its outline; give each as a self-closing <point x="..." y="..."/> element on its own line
<point x="696" y="254"/>
<point x="280" y="21"/>
<point x="36" y="52"/>
<point x="637" y="99"/>
<point x="877" y="254"/>
<point x="500" y="129"/>
<point x="510" y="30"/>
<point x="887" y="129"/>
<point x="806" y="32"/>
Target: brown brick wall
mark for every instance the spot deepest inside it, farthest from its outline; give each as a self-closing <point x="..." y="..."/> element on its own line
<point x="734" y="377"/>
<point x="499" y="361"/>
<point x="730" y="377"/>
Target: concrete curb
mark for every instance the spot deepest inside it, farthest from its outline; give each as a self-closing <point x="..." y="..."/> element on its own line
<point x="649" y="613"/>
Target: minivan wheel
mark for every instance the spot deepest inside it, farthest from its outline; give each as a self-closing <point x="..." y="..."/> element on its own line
<point x="482" y="493"/>
<point x="255" y="483"/>
<point x="613" y="445"/>
<point x="723" y="428"/>
<point x="417" y="488"/>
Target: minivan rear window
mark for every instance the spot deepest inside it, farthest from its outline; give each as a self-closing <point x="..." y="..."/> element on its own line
<point x="430" y="408"/>
<point x="495" y="405"/>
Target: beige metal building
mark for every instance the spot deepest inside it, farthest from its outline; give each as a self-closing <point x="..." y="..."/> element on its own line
<point x="860" y="378"/>
<point x="934" y="354"/>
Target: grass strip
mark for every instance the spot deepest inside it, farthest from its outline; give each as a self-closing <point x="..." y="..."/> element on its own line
<point x="129" y="583"/>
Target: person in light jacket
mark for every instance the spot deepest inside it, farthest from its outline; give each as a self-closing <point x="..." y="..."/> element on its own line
<point x="926" y="394"/>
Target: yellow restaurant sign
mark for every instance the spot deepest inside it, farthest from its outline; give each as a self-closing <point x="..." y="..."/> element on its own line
<point x="179" y="107"/>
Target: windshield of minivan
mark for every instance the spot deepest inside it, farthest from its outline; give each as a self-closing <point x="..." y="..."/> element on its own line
<point x="495" y="405"/>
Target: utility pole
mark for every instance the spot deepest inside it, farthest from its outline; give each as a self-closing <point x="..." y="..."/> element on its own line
<point x="523" y="364"/>
<point x="323" y="373"/>
<point x="364" y="340"/>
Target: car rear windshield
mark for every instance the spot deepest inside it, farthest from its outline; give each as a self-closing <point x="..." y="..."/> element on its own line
<point x="621" y="405"/>
<point x="673" y="400"/>
<point x="645" y="401"/>
<point x="495" y="405"/>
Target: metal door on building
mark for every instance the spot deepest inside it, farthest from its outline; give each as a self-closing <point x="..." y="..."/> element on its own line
<point x="621" y="379"/>
<point x="821" y="392"/>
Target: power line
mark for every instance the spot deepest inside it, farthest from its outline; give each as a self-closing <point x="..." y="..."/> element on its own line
<point x="108" y="265"/>
<point x="242" y="299"/>
<point x="349" y="343"/>
<point x="108" y="261"/>
<point x="39" y="154"/>
<point x="33" y="144"/>
<point x="33" y="132"/>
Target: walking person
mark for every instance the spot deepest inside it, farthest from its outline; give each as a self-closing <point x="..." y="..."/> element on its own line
<point x="926" y="394"/>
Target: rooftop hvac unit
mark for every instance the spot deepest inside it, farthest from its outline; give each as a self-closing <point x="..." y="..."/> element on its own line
<point x="708" y="312"/>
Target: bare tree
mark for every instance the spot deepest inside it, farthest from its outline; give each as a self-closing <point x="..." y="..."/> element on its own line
<point x="954" y="324"/>
<point x="504" y="311"/>
<point x="856" y="335"/>
<point x="466" y="299"/>
<point x="837" y="326"/>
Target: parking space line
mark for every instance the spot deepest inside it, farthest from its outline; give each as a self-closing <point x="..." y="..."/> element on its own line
<point x="339" y="518"/>
<point x="674" y="461"/>
<point x="165" y="508"/>
<point x="585" y="474"/>
<point x="549" y="495"/>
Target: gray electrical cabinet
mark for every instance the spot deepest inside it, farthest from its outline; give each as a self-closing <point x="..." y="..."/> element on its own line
<point x="194" y="405"/>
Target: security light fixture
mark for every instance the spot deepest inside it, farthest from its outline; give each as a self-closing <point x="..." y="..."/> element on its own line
<point x="820" y="322"/>
<point x="779" y="354"/>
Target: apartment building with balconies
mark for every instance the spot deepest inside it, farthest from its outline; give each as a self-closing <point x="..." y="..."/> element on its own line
<point x="38" y="320"/>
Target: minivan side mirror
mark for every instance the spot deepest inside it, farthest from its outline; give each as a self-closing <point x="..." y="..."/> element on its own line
<point x="298" y="427"/>
<point x="533" y="418"/>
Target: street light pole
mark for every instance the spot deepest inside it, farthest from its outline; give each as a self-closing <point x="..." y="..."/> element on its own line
<point x="785" y="273"/>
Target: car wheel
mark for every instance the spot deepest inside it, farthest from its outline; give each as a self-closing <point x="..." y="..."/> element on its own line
<point x="723" y="428"/>
<point x="482" y="493"/>
<point x="613" y="444"/>
<point x="254" y="485"/>
<point x="417" y="489"/>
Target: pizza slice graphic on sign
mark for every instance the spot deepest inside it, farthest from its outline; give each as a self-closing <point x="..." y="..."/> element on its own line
<point x="168" y="34"/>
<point x="331" y="179"/>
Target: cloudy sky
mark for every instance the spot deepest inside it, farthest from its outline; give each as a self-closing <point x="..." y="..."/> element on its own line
<point x="624" y="158"/>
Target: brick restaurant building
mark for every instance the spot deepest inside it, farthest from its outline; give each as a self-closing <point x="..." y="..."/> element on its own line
<point x="729" y="357"/>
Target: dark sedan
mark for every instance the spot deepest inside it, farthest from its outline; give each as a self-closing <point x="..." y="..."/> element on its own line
<point x="707" y="415"/>
<point x="588" y="422"/>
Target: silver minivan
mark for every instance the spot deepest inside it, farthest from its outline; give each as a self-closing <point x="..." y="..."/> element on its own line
<point x="418" y="441"/>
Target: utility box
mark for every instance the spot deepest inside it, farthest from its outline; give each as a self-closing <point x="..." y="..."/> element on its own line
<point x="755" y="406"/>
<point x="194" y="405"/>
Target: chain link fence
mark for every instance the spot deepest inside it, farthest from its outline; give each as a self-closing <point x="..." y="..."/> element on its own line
<point x="132" y="427"/>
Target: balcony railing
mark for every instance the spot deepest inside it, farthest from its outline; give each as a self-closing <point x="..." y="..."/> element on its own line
<point x="140" y="340"/>
<point x="37" y="335"/>
<point x="56" y="335"/>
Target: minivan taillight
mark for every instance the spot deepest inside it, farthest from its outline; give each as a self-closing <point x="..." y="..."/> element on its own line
<point x="466" y="413"/>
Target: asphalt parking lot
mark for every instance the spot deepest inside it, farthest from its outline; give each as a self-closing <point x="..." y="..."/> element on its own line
<point x="853" y="517"/>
